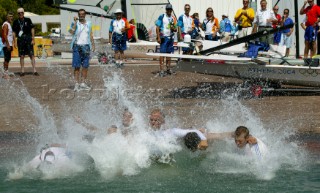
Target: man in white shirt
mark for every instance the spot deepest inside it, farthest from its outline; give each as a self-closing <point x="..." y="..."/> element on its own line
<point x="185" y="26"/>
<point x="7" y="40"/>
<point x="263" y="20"/>
<point x="81" y="45"/>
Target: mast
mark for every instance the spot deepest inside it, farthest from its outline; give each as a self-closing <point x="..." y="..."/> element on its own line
<point x="124" y="7"/>
<point x="296" y="20"/>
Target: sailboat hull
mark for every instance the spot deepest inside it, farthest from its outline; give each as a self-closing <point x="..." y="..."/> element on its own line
<point x="284" y="74"/>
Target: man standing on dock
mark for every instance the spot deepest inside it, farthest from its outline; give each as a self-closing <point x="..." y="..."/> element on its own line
<point x="166" y="26"/>
<point x="23" y="29"/>
<point x="82" y="43"/>
<point x="263" y="21"/>
<point x="7" y="40"/>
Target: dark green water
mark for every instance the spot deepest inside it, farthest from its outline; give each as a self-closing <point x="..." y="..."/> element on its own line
<point x="188" y="174"/>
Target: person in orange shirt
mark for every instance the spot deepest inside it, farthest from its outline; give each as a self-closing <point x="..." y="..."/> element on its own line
<point x="132" y="37"/>
<point x="210" y="25"/>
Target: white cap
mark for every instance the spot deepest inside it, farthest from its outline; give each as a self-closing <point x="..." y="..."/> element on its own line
<point x="118" y="11"/>
<point x="226" y="15"/>
<point x="187" y="38"/>
<point x="20" y="10"/>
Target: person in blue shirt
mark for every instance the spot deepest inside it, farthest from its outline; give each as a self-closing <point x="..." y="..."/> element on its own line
<point x="226" y="28"/>
<point x="166" y="26"/>
<point x="286" y="35"/>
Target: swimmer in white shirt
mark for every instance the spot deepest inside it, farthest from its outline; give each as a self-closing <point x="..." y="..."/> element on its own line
<point x="50" y="154"/>
<point x="245" y="142"/>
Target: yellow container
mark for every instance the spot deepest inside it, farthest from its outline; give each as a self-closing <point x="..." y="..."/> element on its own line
<point x="38" y="40"/>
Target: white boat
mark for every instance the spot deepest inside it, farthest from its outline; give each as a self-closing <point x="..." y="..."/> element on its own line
<point x="273" y="67"/>
<point x="293" y="74"/>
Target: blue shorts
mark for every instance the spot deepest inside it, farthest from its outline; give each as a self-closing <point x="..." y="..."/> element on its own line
<point x="310" y="34"/>
<point x="166" y="45"/>
<point x="119" y="42"/>
<point x="277" y="37"/>
<point x="81" y="56"/>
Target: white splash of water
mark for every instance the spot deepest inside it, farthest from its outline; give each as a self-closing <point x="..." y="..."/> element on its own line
<point x="228" y="160"/>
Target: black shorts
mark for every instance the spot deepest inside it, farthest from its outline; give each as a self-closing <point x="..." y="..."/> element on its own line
<point x="24" y="46"/>
<point x="7" y="54"/>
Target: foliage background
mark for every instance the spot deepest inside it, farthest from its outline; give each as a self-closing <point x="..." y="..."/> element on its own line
<point x="40" y="7"/>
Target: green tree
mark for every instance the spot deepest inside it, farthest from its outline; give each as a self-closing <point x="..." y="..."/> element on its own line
<point x="5" y="7"/>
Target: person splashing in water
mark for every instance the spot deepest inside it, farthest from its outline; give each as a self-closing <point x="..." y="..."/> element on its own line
<point x="246" y="143"/>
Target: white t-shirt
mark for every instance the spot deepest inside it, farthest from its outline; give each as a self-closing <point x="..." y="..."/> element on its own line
<point x="118" y="25"/>
<point x="187" y="23"/>
<point x="51" y="155"/>
<point x="262" y="16"/>
<point x="258" y="150"/>
<point x="82" y="33"/>
<point x="166" y="25"/>
<point x="209" y="26"/>
<point x="10" y="36"/>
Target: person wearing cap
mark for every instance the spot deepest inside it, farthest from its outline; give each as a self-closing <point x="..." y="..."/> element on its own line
<point x="166" y="26"/>
<point x="210" y="25"/>
<point x="185" y="26"/>
<point x="226" y="28"/>
<point x="244" y="18"/>
<point x="7" y="40"/>
<point x="23" y="30"/>
<point x="118" y="37"/>
<point x="81" y="45"/>
<point x="263" y="21"/>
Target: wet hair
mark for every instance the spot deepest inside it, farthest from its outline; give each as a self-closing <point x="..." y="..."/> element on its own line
<point x="154" y="111"/>
<point x="241" y="130"/>
<point x="192" y="140"/>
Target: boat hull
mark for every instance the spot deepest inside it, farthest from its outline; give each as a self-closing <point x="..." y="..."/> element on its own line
<point x="284" y="74"/>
